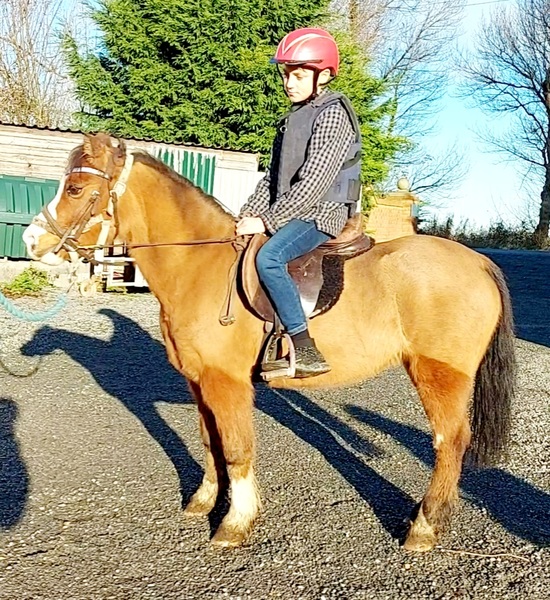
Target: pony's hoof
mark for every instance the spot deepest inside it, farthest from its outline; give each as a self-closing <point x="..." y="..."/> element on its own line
<point x="197" y="508"/>
<point x="421" y="536"/>
<point x="420" y="542"/>
<point x="228" y="538"/>
<point x="202" y="502"/>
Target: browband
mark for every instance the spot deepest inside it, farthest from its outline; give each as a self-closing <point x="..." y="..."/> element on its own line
<point x="91" y="171"/>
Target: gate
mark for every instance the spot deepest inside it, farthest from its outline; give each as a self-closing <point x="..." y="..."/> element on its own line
<point x="21" y="198"/>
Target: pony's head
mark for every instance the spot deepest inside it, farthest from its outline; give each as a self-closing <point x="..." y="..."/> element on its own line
<point x="42" y="343"/>
<point x="82" y="210"/>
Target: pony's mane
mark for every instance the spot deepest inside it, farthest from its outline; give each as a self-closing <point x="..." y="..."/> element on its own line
<point x="79" y="155"/>
<point x="156" y="164"/>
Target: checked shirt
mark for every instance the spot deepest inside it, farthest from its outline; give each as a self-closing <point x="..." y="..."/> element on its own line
<point x="329" y="144"/>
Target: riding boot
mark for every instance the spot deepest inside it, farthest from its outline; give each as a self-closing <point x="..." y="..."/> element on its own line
<point x="310" y="362"/>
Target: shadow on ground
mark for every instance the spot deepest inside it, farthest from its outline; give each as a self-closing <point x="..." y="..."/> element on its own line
<point x="14" y="480"/>
<point x="390" y="504"/>
<point x="521" y="508"/>
<point x="132" y="367"/>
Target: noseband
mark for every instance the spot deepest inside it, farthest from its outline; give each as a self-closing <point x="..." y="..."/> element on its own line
<point x="86" y="217"/>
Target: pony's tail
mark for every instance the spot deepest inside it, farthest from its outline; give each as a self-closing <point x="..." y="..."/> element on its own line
<point x="495" y="385"/>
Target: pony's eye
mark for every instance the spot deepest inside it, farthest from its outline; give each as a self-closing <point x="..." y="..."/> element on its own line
<point x="73" y="190"/>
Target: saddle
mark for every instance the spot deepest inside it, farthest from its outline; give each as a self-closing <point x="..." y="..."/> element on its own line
<point x="319" y="274"/>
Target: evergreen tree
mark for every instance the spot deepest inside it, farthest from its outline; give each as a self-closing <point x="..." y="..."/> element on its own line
<point x="198" y="72"/>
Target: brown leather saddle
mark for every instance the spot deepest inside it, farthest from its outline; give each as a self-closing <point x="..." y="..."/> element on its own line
<point x="319" y="274"/>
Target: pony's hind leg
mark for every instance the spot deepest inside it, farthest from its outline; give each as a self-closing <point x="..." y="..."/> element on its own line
<point x="444" y="392"/>
<point x="215" y="475"/>
<point x="230" y="402"/>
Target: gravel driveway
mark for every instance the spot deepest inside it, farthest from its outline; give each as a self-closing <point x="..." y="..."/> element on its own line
<point x="100" y="447"/>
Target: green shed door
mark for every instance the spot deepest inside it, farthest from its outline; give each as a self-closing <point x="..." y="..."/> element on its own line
<point x="21" y="198"/>
<point x="197" y="167"/>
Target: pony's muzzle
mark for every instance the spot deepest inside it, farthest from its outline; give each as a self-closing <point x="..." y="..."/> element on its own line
<point x="40" y="245"/>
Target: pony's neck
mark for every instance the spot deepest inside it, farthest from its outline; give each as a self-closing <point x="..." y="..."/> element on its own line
<point x="163" y="209"/>
<point x="159" y="208"/>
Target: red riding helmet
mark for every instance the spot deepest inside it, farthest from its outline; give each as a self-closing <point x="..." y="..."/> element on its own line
<point x="310" y="47"/>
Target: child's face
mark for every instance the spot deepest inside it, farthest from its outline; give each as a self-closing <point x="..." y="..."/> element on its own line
<point x="298" y="83"/>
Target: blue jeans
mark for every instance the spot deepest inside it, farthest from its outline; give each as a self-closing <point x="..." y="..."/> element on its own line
<point x="294" y="239"/>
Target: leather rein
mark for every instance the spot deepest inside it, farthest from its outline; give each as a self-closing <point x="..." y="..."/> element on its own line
<point x="87" y="218"/>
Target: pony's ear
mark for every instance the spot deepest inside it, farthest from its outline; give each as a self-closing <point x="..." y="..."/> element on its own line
<point x="95" y="144"/>
<point x="88" y="145"/>
<point x="119" y="151"/>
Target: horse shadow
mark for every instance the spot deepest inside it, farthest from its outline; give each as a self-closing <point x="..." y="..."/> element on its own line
<point x="132" y="367"/>
<point x="349" y="456"/>
<point x="14" y="479"/>
<point x="520" y="507"/>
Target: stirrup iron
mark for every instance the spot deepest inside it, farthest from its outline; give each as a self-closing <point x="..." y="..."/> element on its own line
<point x="273" y="352"/>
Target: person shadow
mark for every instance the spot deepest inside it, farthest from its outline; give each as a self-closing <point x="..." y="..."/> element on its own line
<point x="14" y="479"/>
<point x="132" y="367"/>
<point x="344" y="450"/>
<point x="520" y="507"/>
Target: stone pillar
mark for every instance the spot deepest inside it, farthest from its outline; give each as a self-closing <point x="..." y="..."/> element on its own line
<point x="393" y="215"/>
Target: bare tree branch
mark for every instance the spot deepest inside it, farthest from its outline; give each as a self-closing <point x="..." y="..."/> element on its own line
<point x="510" y="73"/>
<point x="34" y="86"/>
<point x="438" y="174"/>
<point x="411" y="48"/>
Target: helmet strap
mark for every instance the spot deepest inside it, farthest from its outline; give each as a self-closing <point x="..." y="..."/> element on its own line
<point x="314" y="92"/>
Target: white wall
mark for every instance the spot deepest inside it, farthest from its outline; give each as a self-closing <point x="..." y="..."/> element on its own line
<point x="232" y="187"/>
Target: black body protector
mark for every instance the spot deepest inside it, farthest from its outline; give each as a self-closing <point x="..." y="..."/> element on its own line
<point x="295" y="130"/>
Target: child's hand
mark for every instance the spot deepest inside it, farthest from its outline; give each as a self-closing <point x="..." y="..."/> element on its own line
<point x="250" y="226"/>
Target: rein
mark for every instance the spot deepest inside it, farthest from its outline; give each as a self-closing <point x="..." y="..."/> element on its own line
<point x="86" y="219"/>
<point x="226" y="240"/>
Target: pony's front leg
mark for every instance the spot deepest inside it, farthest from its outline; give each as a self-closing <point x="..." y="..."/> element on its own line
<point x="204" y="499"/>
<point x="230" y="401"/>
<point x="215" y="475"/>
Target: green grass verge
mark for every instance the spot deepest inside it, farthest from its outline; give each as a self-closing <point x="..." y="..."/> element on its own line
<point x="30" y="282"/>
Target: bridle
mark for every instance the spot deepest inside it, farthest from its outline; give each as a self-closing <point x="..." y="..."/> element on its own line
<point x="88" y="216"/>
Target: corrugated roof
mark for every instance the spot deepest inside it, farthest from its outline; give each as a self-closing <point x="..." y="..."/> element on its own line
<point x="136" y="139"/>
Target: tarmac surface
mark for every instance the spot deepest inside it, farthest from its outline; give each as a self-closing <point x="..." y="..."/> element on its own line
<point x="100" y="448"/>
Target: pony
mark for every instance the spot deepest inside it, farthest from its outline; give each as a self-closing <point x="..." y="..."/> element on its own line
<point x="438" y="308"/>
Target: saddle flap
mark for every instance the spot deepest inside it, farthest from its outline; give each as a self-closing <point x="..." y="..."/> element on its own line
<point x="253" y="290"/>
<point x="306" y="271"/>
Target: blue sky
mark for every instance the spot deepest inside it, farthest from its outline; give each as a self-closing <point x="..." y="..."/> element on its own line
<point x="493" y="188"/>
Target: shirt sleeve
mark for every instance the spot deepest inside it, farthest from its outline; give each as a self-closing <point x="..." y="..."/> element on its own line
<point x="259" y="201"/>
<point x="331" y="139"/>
